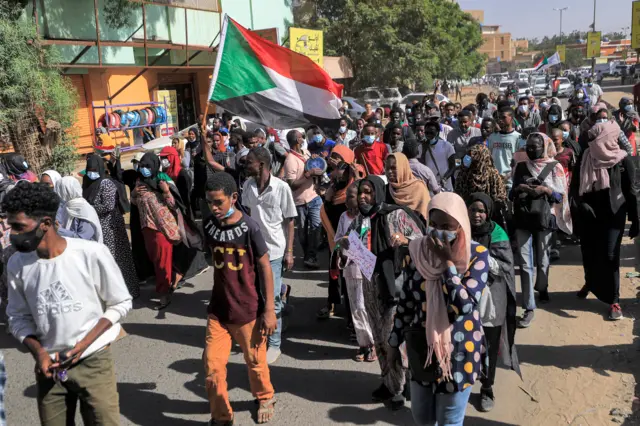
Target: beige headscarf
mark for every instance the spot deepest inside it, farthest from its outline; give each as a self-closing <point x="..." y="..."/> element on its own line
<point x="431" y="268"/>
<point x="409" y="191"/>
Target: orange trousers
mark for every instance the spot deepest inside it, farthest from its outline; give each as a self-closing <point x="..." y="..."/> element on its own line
<point x="216" y="355"/>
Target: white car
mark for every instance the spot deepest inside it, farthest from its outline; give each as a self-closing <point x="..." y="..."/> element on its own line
<point x="419" y="96"/>
<point x="369" y="96"/>
<point x="540" y="86"/>
<point x="390" y="95"/>
<point x="523" y="86"/>
<point x="566" y="88"/>
<point x="502" y="88"/>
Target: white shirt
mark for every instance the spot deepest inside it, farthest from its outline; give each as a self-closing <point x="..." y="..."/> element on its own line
<point x="442" y="150"/>
<point x="595" y="92"/>
<point x="270" y="209"/>
<point x="60" y="300"/>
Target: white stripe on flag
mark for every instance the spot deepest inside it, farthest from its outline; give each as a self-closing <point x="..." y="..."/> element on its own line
<point x="302" y="97"/>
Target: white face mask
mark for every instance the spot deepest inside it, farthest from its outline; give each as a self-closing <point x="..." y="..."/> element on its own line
<point x="272" y="138"/>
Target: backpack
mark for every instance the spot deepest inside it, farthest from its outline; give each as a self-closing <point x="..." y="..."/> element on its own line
<point x="533" y="214"/>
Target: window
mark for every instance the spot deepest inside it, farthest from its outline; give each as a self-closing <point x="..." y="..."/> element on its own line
<point x="501" y="40"/>
<point x="502" y="54"/>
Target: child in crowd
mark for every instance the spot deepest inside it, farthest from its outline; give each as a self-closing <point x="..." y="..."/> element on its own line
<point x="353" y="278"/>
<point x="240" y="308"/>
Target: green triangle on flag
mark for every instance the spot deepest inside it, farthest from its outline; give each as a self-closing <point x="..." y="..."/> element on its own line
<point x="239" y="71"/>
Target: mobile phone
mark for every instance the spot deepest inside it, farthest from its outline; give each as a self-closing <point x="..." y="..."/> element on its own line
<point x="64" y="360"/>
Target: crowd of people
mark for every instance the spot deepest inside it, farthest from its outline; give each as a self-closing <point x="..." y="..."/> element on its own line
<point x="449" y="199"/>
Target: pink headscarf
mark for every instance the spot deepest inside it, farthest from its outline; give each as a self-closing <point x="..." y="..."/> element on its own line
<point x="603" y="153"/>
<point x="556" y="180"/>
<point x="431" y="268"/>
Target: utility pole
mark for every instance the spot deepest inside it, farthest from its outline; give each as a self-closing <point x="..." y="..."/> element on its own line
<point x="593" y="60"/>
<point x="562" y="9"/>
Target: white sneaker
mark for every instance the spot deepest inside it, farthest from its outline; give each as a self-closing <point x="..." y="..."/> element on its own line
<point x="272" y="355"/>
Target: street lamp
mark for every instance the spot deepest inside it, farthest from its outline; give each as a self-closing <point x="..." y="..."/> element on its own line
<point x="561" y="9"/>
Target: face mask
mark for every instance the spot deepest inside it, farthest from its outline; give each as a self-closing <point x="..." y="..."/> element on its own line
<point x="580" y="95"/>
<point x="365" y="209"/>
<point x="534" y="153"/>
<point x="601" y="120"/>
<point x="343" y="129"/>
<point x="25" y="164"/>
<point x="272" y="138"/>
<point x="27" y="241"/>
<point x="93" y="175"/>
<point x="145" y="172"/>
<point x="565" y="135"/>
<point x="165" y="163"/>
<point x="523" y="109"/>
<point x="441" y="234"/>
<point x="317" y="138"/>
<point x="590" y="84"/>
<point x="553" y="118"/>
<point x="229" y="213"/>
<point x="628" y="108"/>
<point x="544" y="105"/>
<point x="408" y="110"/>
<point x="466" y="161"/>
<point x="434" y="141"/>
<point x="369" y="139"/>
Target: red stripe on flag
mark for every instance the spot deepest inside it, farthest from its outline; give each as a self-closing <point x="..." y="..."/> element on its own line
<point x="539" y="62"/>
<point x="288" y="63"/>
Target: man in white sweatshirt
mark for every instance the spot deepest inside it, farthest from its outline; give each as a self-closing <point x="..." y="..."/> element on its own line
<point x="66" y="297"/>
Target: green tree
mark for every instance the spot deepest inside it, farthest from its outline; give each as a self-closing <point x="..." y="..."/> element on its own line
<point x="397" y="43"/>
<point x="33" y="90"/>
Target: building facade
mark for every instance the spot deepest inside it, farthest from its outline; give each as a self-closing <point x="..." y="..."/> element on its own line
<point x="495" y="44"/>
<point x="163" y="47"/>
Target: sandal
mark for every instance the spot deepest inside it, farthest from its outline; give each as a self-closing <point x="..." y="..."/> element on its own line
<point x="325" y="313"/>
<point x="361" y="355"/>
<point x="266" y="410"/>
<point x="371" y="356"/>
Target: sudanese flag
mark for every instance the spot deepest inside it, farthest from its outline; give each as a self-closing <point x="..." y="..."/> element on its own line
<point x="271" y="85"/>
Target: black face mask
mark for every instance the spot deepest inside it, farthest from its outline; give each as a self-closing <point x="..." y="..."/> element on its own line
<point x="365" y="208"/>
<point x="534" y="152"/>
<point x="27" y="241"/>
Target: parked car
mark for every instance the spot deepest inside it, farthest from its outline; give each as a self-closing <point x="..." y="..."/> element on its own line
<point x="390" y="95"/>
<point x="369" y="96"/>
<point x="523" y="86"/>
<point x="565" y="89"/>
<point x="419" y="96"/>
<point x="540" y="86"/>
<point x="502" y="88"/>
<point x="355" y="109"/>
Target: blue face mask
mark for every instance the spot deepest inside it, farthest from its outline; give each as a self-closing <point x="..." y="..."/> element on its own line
<point x="93" y="175"/>
<point x="628" y="108"/>
<point x="601" y="120"/>
<point x="565" y="135"/>
<point x="590" y="84"/>
<point x="145" y="172"/>
<point x="230" y="212"/>
<point x="369" y="139"/>
<point x="466" y="161"/>
<point x="553" y="118"/>
<point x="434" y="141"/>
<point x="317" y="138"/>
<point x="440" y="234"/>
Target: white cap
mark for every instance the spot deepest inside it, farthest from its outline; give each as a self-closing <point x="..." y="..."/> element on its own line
<point x="138" y="157"/>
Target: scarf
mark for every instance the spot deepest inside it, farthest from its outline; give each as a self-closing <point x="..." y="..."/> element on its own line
<point x="90" y="188"/>
<point x="348" y="157"/>
<point x="75" y="206"/>
<point x="54" y="176"/>
<point x="482" y="234"/>
<point x="152" y="162"/>
<point x="174" y="159"/>
<point x="409" y="191"/>
<point x="602" y="154"/>
<point x="556" y="180"/>
<point x="481" y="176"/>
<point x="431" y="268"/>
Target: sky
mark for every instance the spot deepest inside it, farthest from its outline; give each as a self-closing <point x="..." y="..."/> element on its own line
<point x="536" y="18"/>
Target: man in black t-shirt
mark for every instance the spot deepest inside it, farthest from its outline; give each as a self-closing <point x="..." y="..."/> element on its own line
<point x="240" y="308"/>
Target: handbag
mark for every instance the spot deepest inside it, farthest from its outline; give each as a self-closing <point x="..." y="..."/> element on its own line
<point x="417" y="350"/>
<point x="534" y="214"/>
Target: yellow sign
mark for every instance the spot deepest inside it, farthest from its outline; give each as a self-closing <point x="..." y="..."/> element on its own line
<point x="308" y="43"/>
<point x="561" y="49"/>
<point x="635" y="25"/>
<point x="171" y="98"/>
<point x="593" y="44"/>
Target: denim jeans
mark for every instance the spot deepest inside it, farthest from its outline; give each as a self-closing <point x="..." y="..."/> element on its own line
<point x="440" y="409"/>
<point x="308" y="224"/>
<point x="276" y="267"/>
<point x="533" y="252"/>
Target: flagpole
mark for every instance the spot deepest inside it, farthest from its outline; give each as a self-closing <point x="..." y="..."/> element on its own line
<point x="593" y="60"/>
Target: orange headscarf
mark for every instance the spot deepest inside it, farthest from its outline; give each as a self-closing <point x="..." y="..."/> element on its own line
<point x="348" y="156"/>
<point x="409" y="191"/>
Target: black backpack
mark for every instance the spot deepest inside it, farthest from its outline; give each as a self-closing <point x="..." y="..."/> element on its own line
<point x="533" y="214"/>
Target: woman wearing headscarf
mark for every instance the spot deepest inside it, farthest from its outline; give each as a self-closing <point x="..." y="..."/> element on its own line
<point x="404" y="189"/>
<point x="498" y="303"/>
<point x="76" y="215"/>
<point x="160" y="228"/>
<point x="538" y="179"/>
<point x="383" y="229"/>
<point x="602" y="188"/>
<point x="103" y="194"/>
<point x="438" y="315"/>
<point x="170" y="161"/>
<point x="18" y="168"/>
<point x="344" y="173"/>
<point x="51" y="178"/>
<point x="197" y="166"/>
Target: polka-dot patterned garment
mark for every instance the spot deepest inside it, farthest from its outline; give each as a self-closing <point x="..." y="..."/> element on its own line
<point x="462" y="295"/>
